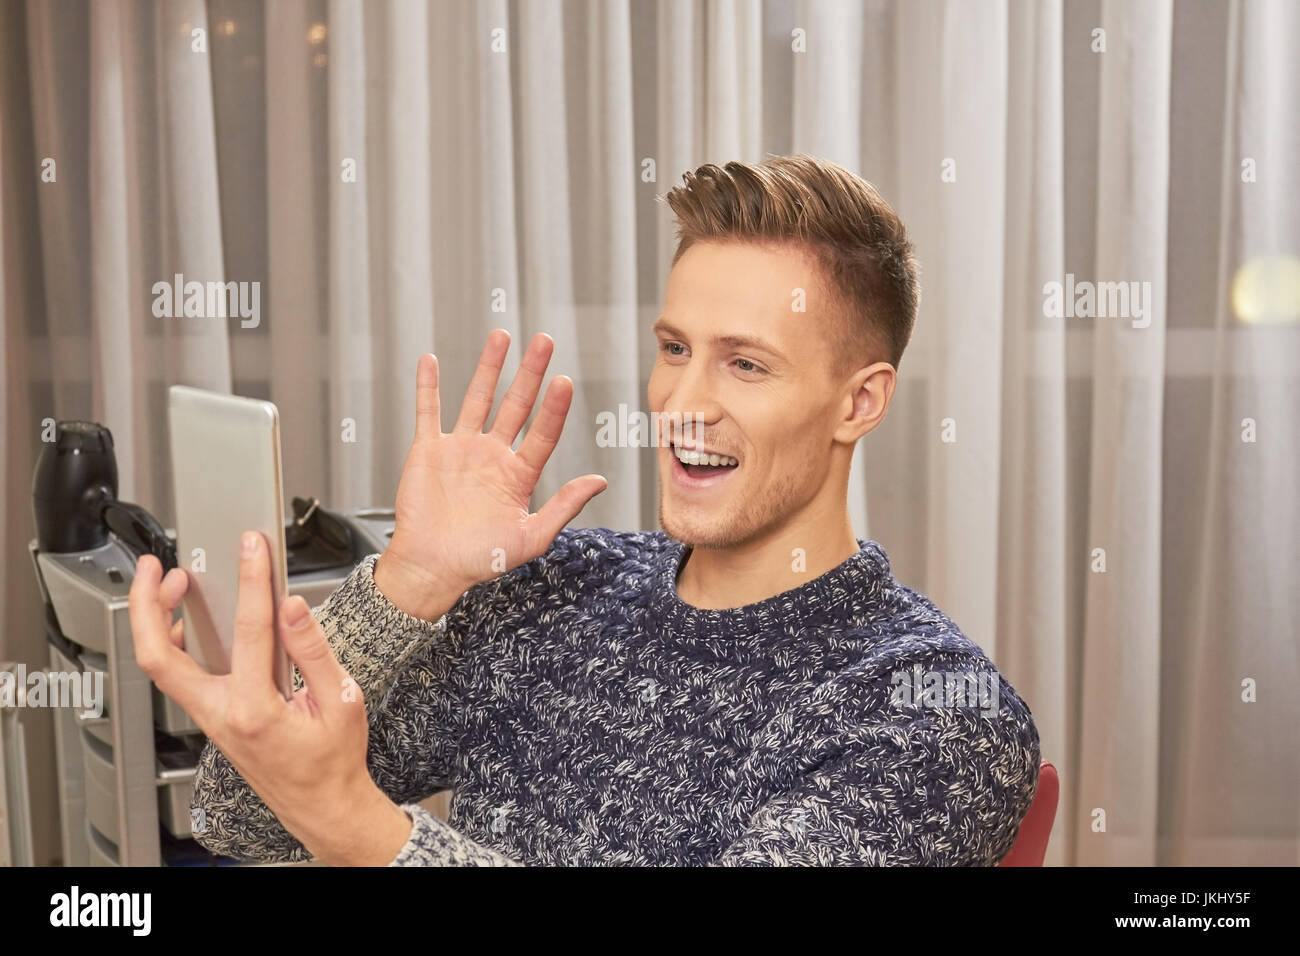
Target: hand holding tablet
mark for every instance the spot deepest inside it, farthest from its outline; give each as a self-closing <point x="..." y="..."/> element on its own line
<point x="462" y="517"/>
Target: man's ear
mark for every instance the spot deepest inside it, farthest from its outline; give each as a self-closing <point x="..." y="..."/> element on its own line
<point x="866" y="399"/>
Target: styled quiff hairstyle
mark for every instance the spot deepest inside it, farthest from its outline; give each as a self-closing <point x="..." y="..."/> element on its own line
<point x="835" y="217"/>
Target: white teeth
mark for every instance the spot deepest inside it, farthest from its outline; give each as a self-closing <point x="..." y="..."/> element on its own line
<point x="701" y="458"/>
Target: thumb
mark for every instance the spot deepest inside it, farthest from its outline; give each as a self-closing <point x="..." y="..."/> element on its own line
<point x="563" y="507"/>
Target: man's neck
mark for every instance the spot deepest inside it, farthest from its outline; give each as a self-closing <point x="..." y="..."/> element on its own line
<point x="719" y="578"/>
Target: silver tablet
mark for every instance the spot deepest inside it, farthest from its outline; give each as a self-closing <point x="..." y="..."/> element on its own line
<point x="227" y="480"/>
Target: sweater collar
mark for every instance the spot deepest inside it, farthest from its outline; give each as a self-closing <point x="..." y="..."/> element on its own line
<point x="859" y="584"/>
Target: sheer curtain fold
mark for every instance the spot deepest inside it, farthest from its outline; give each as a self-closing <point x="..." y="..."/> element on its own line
<point x="403" y="176"/>
<point x="679" y="112"/>
<point x="1031" y="589"/>
<point x="1244" y="581"/>
<point x="357" y="303"/>
<point x="114" y="283"/>
<point x="965" y="361"/>
<point x="198" y="352"/>
<point x="611" y="331"/>
<point x="734" y="70"/>
<point x="293" y="348"/>
<point x="405" y="330"/>
<point x="1122" y="629"/>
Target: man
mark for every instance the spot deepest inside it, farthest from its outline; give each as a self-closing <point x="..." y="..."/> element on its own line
<point x="749" y="686"/>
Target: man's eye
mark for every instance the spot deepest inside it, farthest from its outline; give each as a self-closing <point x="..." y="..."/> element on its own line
<point x="746" y="365"/>
<point x="670" y="346"/>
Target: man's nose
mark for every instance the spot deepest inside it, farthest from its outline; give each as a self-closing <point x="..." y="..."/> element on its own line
<point x="691" y="403"/>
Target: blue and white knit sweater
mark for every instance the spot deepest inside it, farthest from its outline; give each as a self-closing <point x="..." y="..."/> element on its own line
<point x="582" y="714"/>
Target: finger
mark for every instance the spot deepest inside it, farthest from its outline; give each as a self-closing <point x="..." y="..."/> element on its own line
<point x="304" y="702"/>
<point x="324" y="677"/>
<point x="250" y="657"/>
<point x="175" y="672"/>
<point x="177" y="633"/>
<point x="174" y="585"/>
<point x="561" y="509"/>
<point x="483" y="386"/>
<point x="522" y="394"/>
<point x="145" y="604"/>
<point x="545" y="430"/>
<point x="428" y="410"/>
<point x="169" y="591"/>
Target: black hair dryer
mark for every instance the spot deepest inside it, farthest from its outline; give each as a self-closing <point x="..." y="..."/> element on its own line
<point x="74" y="498"/>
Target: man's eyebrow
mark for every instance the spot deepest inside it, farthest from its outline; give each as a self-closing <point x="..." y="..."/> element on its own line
<point x="663" y="327"/>
<point x="748" y="342"/>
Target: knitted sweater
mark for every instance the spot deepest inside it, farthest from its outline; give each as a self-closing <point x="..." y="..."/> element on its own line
<point x="582" y="714"/>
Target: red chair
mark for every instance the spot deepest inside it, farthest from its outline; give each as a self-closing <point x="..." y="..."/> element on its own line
<point x="1031" y="842"/>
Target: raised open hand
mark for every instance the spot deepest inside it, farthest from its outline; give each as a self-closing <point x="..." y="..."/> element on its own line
<point x="463" y="500"/>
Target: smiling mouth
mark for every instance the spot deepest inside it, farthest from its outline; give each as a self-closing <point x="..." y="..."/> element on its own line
<point x="703" y="464"/>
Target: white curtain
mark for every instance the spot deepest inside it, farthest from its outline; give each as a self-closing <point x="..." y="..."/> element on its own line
<point x="1110" y="509"/>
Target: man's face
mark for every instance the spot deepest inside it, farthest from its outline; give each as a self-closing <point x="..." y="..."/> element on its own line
<point x="757" y="376"/>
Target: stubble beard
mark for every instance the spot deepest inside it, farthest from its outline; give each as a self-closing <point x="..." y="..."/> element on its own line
<point x="736" y="523"/>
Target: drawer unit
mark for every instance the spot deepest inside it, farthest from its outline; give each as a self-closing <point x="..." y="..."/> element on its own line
<point x="102" y="851"/>
<point x="174" y="807"/>
<point x="169" y="717"/>
<point x="101" y="786"/>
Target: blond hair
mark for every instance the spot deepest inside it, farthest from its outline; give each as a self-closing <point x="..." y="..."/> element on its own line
<point x="834" y="216"/>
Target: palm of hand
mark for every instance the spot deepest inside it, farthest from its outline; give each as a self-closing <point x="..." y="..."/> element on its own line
<point x="462" y="507"/>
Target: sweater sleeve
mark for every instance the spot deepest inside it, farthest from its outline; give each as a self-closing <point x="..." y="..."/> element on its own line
<point x="922" y="787"/>
<point x="435" y="843"/>
<point x="408" y="685"/>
